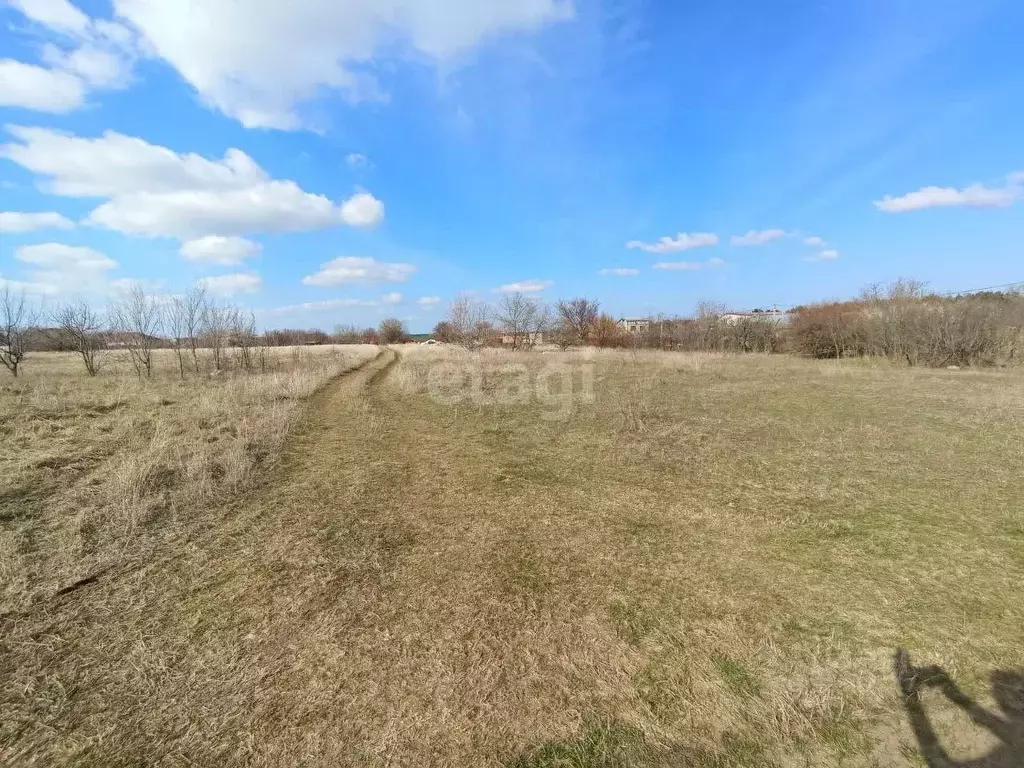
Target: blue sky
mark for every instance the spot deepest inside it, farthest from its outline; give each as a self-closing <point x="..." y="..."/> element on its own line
<point x="331" y="162"/>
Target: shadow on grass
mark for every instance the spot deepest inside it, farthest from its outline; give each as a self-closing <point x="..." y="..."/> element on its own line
<point x="1008" y="691"/>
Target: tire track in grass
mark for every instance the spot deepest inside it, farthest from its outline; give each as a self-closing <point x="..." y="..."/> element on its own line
<point x="357" y="610"/>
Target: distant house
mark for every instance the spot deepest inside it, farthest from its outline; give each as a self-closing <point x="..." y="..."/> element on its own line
<point x="527" y="339"/>
<point x="634" y="324"/>
<point x="774" y="315"/>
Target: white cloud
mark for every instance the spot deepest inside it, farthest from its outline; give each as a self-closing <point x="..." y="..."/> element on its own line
<point x="526" y="286"/>
<point x="829" y="255"/>
<point x="38" y="290"/>
<point x="689" y="266"/>
<point x="260" y="60"/>
<point x="93" y="65"/>
<point x="391" y="298"/>
<point x="84" y="55"/>
<point x="320" y="306"/>
<point x="45" y="90"/>
<point x="759" y="237"/>
<point x="684" y="241"/>
<point x="220" y="251"/>
<point x="356" y="160"/>
<point x="55" y="268"/>
<point x="232" y="285"/>
<point x="428" y="301"/>
<point x="115" y="164"/>
<point x="973" y="196"/>
<point x="59" y="256"/>
<point x="12" y="221"/>
<point x="277" y="206"/>
<point x="680" y="266"/>
<point x="619" y="271"/>
<point x="814" y="241"/>
<point x="59" y="15"/>
<point x="355" y="269"/>
<point x="154" y="191"/>
<point x="362" y="210"/>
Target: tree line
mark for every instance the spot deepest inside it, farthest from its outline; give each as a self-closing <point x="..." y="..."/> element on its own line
<point x="205" y="336"/>
<point x="902" y="321"/>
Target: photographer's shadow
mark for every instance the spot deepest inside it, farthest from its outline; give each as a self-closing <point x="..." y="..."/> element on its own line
<point x="1008" y="691"/>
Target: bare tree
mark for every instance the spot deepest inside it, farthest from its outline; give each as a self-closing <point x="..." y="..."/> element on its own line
<point x="444" y="332"/>
<point x="80" y="327"/>
<point x="392" y="330"/>
<point x="710" y="327"/>
<point x="606" y="332"/>
<point x="217" y="324"/>
<point x="579" y="316"/>
<point x="516" y="314"/>
<point x="183" y="320"/>
<point x="542" y="323"/>
<point x="15" y="321"/>
<point x="524" y="319"/>
<point x="243" y="337"/>
<point x="174" y="322"/>
<point x="469" y="321"/>
<point x="138" y="320"/>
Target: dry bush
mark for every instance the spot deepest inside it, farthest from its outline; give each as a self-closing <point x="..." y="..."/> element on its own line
<point x="101" y="467"/>
<point x="903" y="322"/>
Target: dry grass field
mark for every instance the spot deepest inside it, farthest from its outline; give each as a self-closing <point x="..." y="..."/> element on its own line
<point x="92" y="470"/>
<point x="538" y="560"/>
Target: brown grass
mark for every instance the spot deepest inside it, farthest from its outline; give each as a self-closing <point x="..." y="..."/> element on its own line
<point x="91" y="467"/>
<point x="708" y="563"/>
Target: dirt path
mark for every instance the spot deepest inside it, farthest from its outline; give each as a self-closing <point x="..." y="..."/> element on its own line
<point x="335" y="618"/>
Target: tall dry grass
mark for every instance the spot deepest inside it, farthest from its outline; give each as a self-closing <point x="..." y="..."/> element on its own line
<point x="95" y="471"/>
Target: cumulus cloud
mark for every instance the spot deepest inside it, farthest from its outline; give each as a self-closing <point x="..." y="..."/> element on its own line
<point x="428" y="301"/>
<point x="973" y="196"/>
<point x="220" y="251"/>
<point x="758" y="237"/>
<point x="118" y="165"/>
<point x="684" y="241"/>
<point x="362" y="210"/>
<point x="241" y="57"/>
<point x="59" y="256"/>
<point x="391" y="298"/>
<point x="355" y="269"/>
<point x="154" y="191"/>
<point x="232" y="285"/>
<point x="12" y="221"/>
<point x="86" y="54"/>
<point x="526" y="286"/>
<point x="356" y="160"/>
<point x="44" y="90"/>
<point x="55" y="268"/>
<point x="277" y="206"/>
<point x="59" y="15"/>
<point x="93" y="65"/>
<point x="814" y="241"/>
<point x="619" y="271"/>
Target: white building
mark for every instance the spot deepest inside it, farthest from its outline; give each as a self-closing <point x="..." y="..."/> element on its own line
<point x="634" y="324"/>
